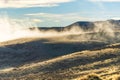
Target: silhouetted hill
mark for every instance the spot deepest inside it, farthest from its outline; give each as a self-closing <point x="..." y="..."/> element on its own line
<point x="58" y="29"/>
<point x="84" y="25"/>
<point x="115" y="23"/>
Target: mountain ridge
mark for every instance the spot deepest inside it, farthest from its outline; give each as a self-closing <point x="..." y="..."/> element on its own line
<point x="85" y="25"/>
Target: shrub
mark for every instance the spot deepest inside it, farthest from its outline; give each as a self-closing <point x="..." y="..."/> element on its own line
<point x="91" y="77"/>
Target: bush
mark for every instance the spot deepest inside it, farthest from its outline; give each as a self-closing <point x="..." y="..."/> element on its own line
<point x="91" y="77"/>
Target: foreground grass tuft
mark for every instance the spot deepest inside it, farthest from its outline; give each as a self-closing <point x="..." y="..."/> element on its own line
<point x="91" y="77"/>
<point x="116" y="77"/>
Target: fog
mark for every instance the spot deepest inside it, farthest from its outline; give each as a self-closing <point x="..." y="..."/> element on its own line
<point x="11" y="29"/>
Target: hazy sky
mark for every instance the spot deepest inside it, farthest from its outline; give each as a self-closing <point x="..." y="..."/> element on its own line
<point x="47" y="13"/>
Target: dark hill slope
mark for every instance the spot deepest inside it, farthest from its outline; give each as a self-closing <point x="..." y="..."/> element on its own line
<point x="13" y="53"/>
<point x="103" y="62"/>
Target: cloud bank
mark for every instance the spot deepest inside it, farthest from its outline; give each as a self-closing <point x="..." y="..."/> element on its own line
<point x="30" y="3"/>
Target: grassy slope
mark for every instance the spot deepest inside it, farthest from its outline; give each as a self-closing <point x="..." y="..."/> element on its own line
<point x="58" y="58"/>
<point x="104" y="61"/>
<point x="22" y="51"/>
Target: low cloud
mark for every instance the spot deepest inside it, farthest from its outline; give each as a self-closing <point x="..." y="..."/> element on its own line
<point x="37" y="20"/>
<point x="116" y="18"/>
<point x="30" y="3"/>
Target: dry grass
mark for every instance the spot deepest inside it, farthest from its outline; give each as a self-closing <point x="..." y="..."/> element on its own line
<point x="115" y="77"/>
<point x="103" y="61"/>
<point x="90" y="77"/>
<point x="74" y="67"/>
<point x="97" y="77"/>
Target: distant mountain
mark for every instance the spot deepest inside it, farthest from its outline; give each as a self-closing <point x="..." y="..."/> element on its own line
<point x="52" y="28"/>
<point x="48" y="28"/>
<point x="116" y="23"/>
<point x="85" y="25"/>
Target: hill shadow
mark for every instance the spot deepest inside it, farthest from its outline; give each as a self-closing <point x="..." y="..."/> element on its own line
<point x="40" y="50"/>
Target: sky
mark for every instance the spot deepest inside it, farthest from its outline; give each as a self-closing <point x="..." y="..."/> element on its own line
<point x="56" y="13"/>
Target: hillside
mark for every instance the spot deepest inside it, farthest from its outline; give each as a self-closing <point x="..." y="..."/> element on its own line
<point x="64" y="53"/>
<point x="104" y="62"/>
<point x="27" y="50"/>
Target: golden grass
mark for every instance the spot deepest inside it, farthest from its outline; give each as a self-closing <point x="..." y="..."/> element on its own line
<point x="106" y="68"/>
